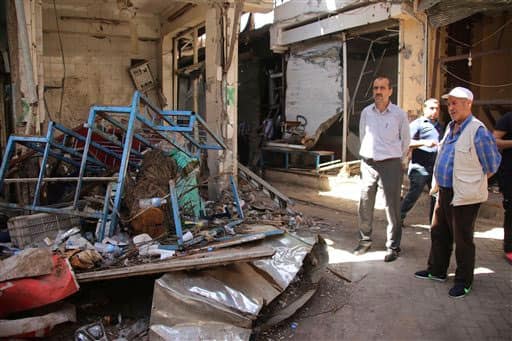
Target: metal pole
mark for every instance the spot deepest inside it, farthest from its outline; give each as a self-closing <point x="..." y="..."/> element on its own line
<point x="361" y="76"/>
<point x="236" y="197"/>
<point x="345" y="98"/>
<point x="25" y="50"/>
<point x="175" y="211"/>
<point x="125" y="160"/>
<point x="85" y="152"/>
<point x="42" y="170"/>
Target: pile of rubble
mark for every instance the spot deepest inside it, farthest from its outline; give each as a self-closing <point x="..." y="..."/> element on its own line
<point x="223" y="261"/>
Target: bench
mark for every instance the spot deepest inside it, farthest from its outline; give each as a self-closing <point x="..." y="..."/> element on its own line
<point x="316" y="154"/>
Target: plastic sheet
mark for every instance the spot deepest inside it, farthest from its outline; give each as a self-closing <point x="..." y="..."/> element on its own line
<point x="218" y="291"/>
<point x="287" y="261"/>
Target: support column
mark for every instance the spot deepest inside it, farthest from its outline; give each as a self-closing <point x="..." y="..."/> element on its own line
<point x="167" y="73"/>
<point x="222" y="26"/>
<point x="345" y="99"/>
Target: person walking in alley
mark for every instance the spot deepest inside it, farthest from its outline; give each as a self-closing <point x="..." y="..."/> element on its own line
<point x="426" y="132"/>
<point x="384" y="136"/>
<point x="503" y="135"/>
<point x="467" y="156"/>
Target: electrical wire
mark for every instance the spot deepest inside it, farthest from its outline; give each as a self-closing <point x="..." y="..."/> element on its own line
<point x="473" y="83"/>
<point x="63" y="81"/>
<point x="461" y="43"/>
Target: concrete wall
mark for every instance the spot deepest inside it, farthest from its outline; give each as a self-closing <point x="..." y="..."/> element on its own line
<point x="314" y="83"/>
<point x="298" y="10"/>
<point x="97" y="55"/>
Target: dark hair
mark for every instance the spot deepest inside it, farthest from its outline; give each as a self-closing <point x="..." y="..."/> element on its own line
<point x="384" y="77"/>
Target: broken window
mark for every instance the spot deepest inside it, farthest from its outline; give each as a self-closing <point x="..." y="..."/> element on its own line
<point x="189" y="70"/>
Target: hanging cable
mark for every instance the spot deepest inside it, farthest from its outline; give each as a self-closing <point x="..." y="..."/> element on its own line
<point x="472" y="83"/>
<point x="461" y="43"/>
<point x="63" y="80"/>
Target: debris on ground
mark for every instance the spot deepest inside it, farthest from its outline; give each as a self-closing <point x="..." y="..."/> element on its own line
<point x="37" y="326"/>
<point x="146" y="211"/>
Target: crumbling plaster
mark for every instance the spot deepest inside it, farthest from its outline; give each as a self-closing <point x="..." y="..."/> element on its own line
<point x="314" y="83"/>
<point x="97" y="56"/>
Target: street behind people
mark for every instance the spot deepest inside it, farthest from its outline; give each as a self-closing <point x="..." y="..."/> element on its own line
<point x="503" y="135"/>
<point x="467" y="156"/>
<point x="384" y="136"/>
<point x="426" y="131"/>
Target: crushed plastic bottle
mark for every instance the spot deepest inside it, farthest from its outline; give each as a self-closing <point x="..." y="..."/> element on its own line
<point x="152" y="202"/>
<point x="108" y="248"/>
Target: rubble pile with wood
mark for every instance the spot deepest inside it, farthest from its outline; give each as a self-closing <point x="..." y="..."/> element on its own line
<point x="146" y="211"/>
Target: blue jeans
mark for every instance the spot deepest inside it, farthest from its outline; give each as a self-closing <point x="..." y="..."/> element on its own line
<point x="418" y="178"/>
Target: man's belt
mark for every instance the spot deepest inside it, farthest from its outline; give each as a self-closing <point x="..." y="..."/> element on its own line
<point x="367" y="160"/>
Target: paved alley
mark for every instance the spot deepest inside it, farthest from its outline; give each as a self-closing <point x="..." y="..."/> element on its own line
<point x="384" y="301"/>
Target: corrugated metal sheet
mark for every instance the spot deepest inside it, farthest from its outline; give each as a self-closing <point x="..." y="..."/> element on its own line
<point x="449" y="11"/>
<point x="227" y="300"/>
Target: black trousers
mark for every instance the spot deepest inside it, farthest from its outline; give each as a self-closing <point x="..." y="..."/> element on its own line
<point x="505" y="182"/>
<point x="453" y="224"/>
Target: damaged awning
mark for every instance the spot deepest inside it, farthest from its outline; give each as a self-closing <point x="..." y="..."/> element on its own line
<point x="442" y="13"/>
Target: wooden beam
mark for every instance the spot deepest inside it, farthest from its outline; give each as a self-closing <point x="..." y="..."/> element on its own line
<point x="189" y="19"/>
<point x="340" y="22"/>
<point x="474" y="55"/>
<point x="263" y="183"/>
<point x="197" y="261"/>
<point x="215" y="25"/>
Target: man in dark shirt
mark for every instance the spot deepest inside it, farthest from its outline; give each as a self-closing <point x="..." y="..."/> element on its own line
<point x="426" y="132"/>
<point x="503" y="135"/>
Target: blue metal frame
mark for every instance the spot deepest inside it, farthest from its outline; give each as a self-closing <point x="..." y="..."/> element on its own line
<point x="175" y="211"/>
<point x="236" y="197"/>
<point x="130" y="157"/>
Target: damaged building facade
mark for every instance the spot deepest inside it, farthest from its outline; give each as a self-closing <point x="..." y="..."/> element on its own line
<point x="105" y="101"/>
<point x="334" y="50"/>
<point x="127" y="93"/>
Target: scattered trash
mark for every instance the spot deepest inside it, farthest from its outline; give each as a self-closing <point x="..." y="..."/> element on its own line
<point x="158" y="219"/>
<point x="76" y="241"/>
<point x="84" y="260"/>
<point x="63" y="236"/>
<point x="294" y="325"/>
<point x="91" y="332"/>
<point x="108" y="248"/>
<point x="135" y="331"/>
<point x="187" y="236"/>
<point x="151" y="202"/>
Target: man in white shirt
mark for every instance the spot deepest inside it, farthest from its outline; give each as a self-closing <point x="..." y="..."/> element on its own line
<point x="384" y="135"/>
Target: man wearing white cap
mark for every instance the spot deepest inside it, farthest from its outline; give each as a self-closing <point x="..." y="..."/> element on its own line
<point x="467" y="156"/>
